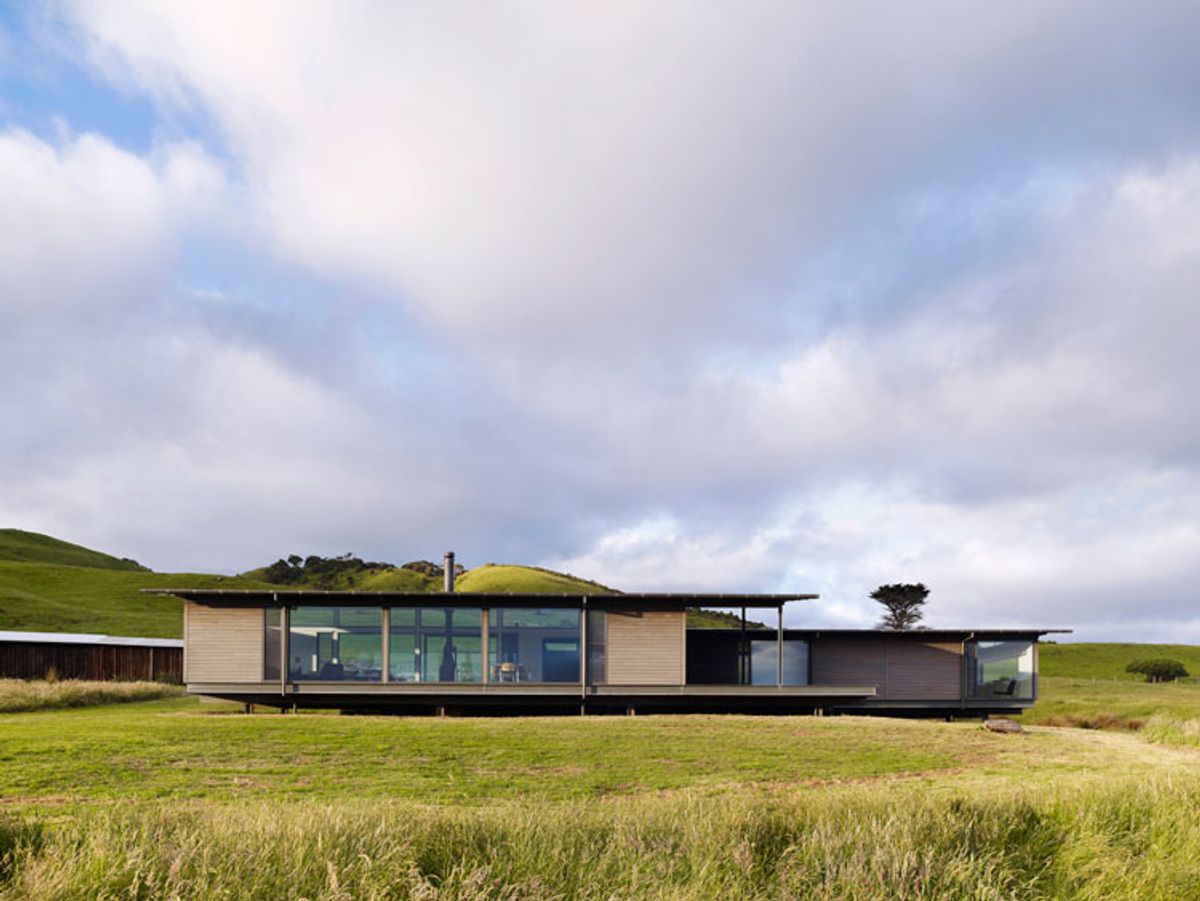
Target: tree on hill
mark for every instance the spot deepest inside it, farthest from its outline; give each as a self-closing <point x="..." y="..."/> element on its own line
<point x="1158" y="669"/>
<point x="320" y="572"/>
<point x="902" y="602"/>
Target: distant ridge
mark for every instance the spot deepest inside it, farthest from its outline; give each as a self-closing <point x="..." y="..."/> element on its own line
<point x="18" y="546"/>
<point x="50" y="585"/>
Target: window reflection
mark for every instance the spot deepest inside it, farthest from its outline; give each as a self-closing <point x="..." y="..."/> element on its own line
<point x="335" y="644"/>
<point x="435" y="644"/>
<point x="528" y="645"/>
<point x="272" y="639"/>
<point x="1000" y="669"/>
<point x="763" y="654"/>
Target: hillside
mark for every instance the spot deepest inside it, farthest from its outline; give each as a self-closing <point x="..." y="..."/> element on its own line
<point x="1102" y="660"/>
<point x="526" y="580"/>
<point x="350" y="573"/>
<point x="42" y="597"/>
<point x="49" y="585"/>
<point x="17" y="546"/>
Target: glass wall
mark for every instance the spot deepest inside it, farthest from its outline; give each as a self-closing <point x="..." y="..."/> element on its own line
<point x="435" y="644"/>
<point x="763" y="656"/>
<point x="272" y="642"/>
<point x="527" y="645"/>
<point x="1000" y="669"/>
<point x="334" y="644"/>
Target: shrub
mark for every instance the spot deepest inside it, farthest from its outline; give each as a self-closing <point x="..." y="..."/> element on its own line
<point x="1158" y="669"/>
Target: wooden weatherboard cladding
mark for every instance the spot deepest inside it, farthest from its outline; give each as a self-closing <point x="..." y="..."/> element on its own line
<point x="901" y="669"/>
<point x="646" y="648"/>
<point x="222" y="644"/>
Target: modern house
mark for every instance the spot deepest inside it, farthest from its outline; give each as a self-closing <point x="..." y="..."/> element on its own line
<point x="421" y="652"/>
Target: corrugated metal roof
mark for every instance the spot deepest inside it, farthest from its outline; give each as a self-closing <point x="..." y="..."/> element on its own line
<point x="88" y="638"/>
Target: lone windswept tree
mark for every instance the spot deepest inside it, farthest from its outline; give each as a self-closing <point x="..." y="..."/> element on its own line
<point x="1158" y="669"/>
<point x="903" y="603"/>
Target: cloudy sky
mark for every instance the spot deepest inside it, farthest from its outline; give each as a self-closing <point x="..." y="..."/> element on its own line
<point x="674" y="296"/>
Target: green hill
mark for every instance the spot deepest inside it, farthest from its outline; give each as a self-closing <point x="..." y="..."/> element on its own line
<point x="42" y="597"/>
<point x="349" y="573"/>
<point x="1102" y="660"/>
<point x="17" y="546"/>
<point x="525" y="580"/>
<point x="48" y="585"/>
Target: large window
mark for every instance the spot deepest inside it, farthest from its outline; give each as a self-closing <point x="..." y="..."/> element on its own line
<point x="334" y="644"/>
<point x="528" y="645"/>
<point x="435" y="644"/>
<point x="272" y="642"/>
<point x="1000" y="669"/>
<point x="763" y="656"/>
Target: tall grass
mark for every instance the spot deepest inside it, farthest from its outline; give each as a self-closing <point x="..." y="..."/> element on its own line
<point x="1125" y="840"/>
<point x="1168" y="730"/>
<point x="19" y="696"/>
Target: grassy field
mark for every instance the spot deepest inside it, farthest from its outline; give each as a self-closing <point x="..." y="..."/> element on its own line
<point x="179" y="748"/>
<point x="1111" y="704"/>
<point x="179" y="799"/>
<point x="21" y="696"/>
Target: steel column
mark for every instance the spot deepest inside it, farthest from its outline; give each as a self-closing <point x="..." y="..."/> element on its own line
<point x="779" y="649"/>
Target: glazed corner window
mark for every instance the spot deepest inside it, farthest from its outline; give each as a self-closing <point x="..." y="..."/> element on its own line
<point x="335" y="644"/>
<point x="272" y="643"/>
<point x="1000" y="669"/>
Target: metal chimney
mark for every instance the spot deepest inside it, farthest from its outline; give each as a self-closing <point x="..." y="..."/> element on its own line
<point x="448" y="566"/>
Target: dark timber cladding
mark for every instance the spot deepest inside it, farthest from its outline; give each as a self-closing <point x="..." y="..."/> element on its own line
<point x="514" y="652"/>
<point x="32" y="655"/>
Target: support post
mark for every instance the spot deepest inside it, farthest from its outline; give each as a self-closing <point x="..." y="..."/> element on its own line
<point x="743" y="653"/>
<point x="385" y="623"/>
<point x="779" y="650"/>
<point x="583" y="655"/>
<point x="485" y="624"/>
<point x="285" y="631"/>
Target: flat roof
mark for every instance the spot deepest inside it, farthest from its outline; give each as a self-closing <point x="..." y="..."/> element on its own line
<point x="638" y="601"/>
<point x="88" y="638"/>
<point x="999" y="632"/>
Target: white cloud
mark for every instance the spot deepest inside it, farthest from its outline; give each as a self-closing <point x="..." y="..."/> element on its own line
<point x="734" y="298"/>
<point x="86" y="214"/>
<point x="618" y="167"/>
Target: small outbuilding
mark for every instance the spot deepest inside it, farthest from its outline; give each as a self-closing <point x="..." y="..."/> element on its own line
<point x="69" y="655"/>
